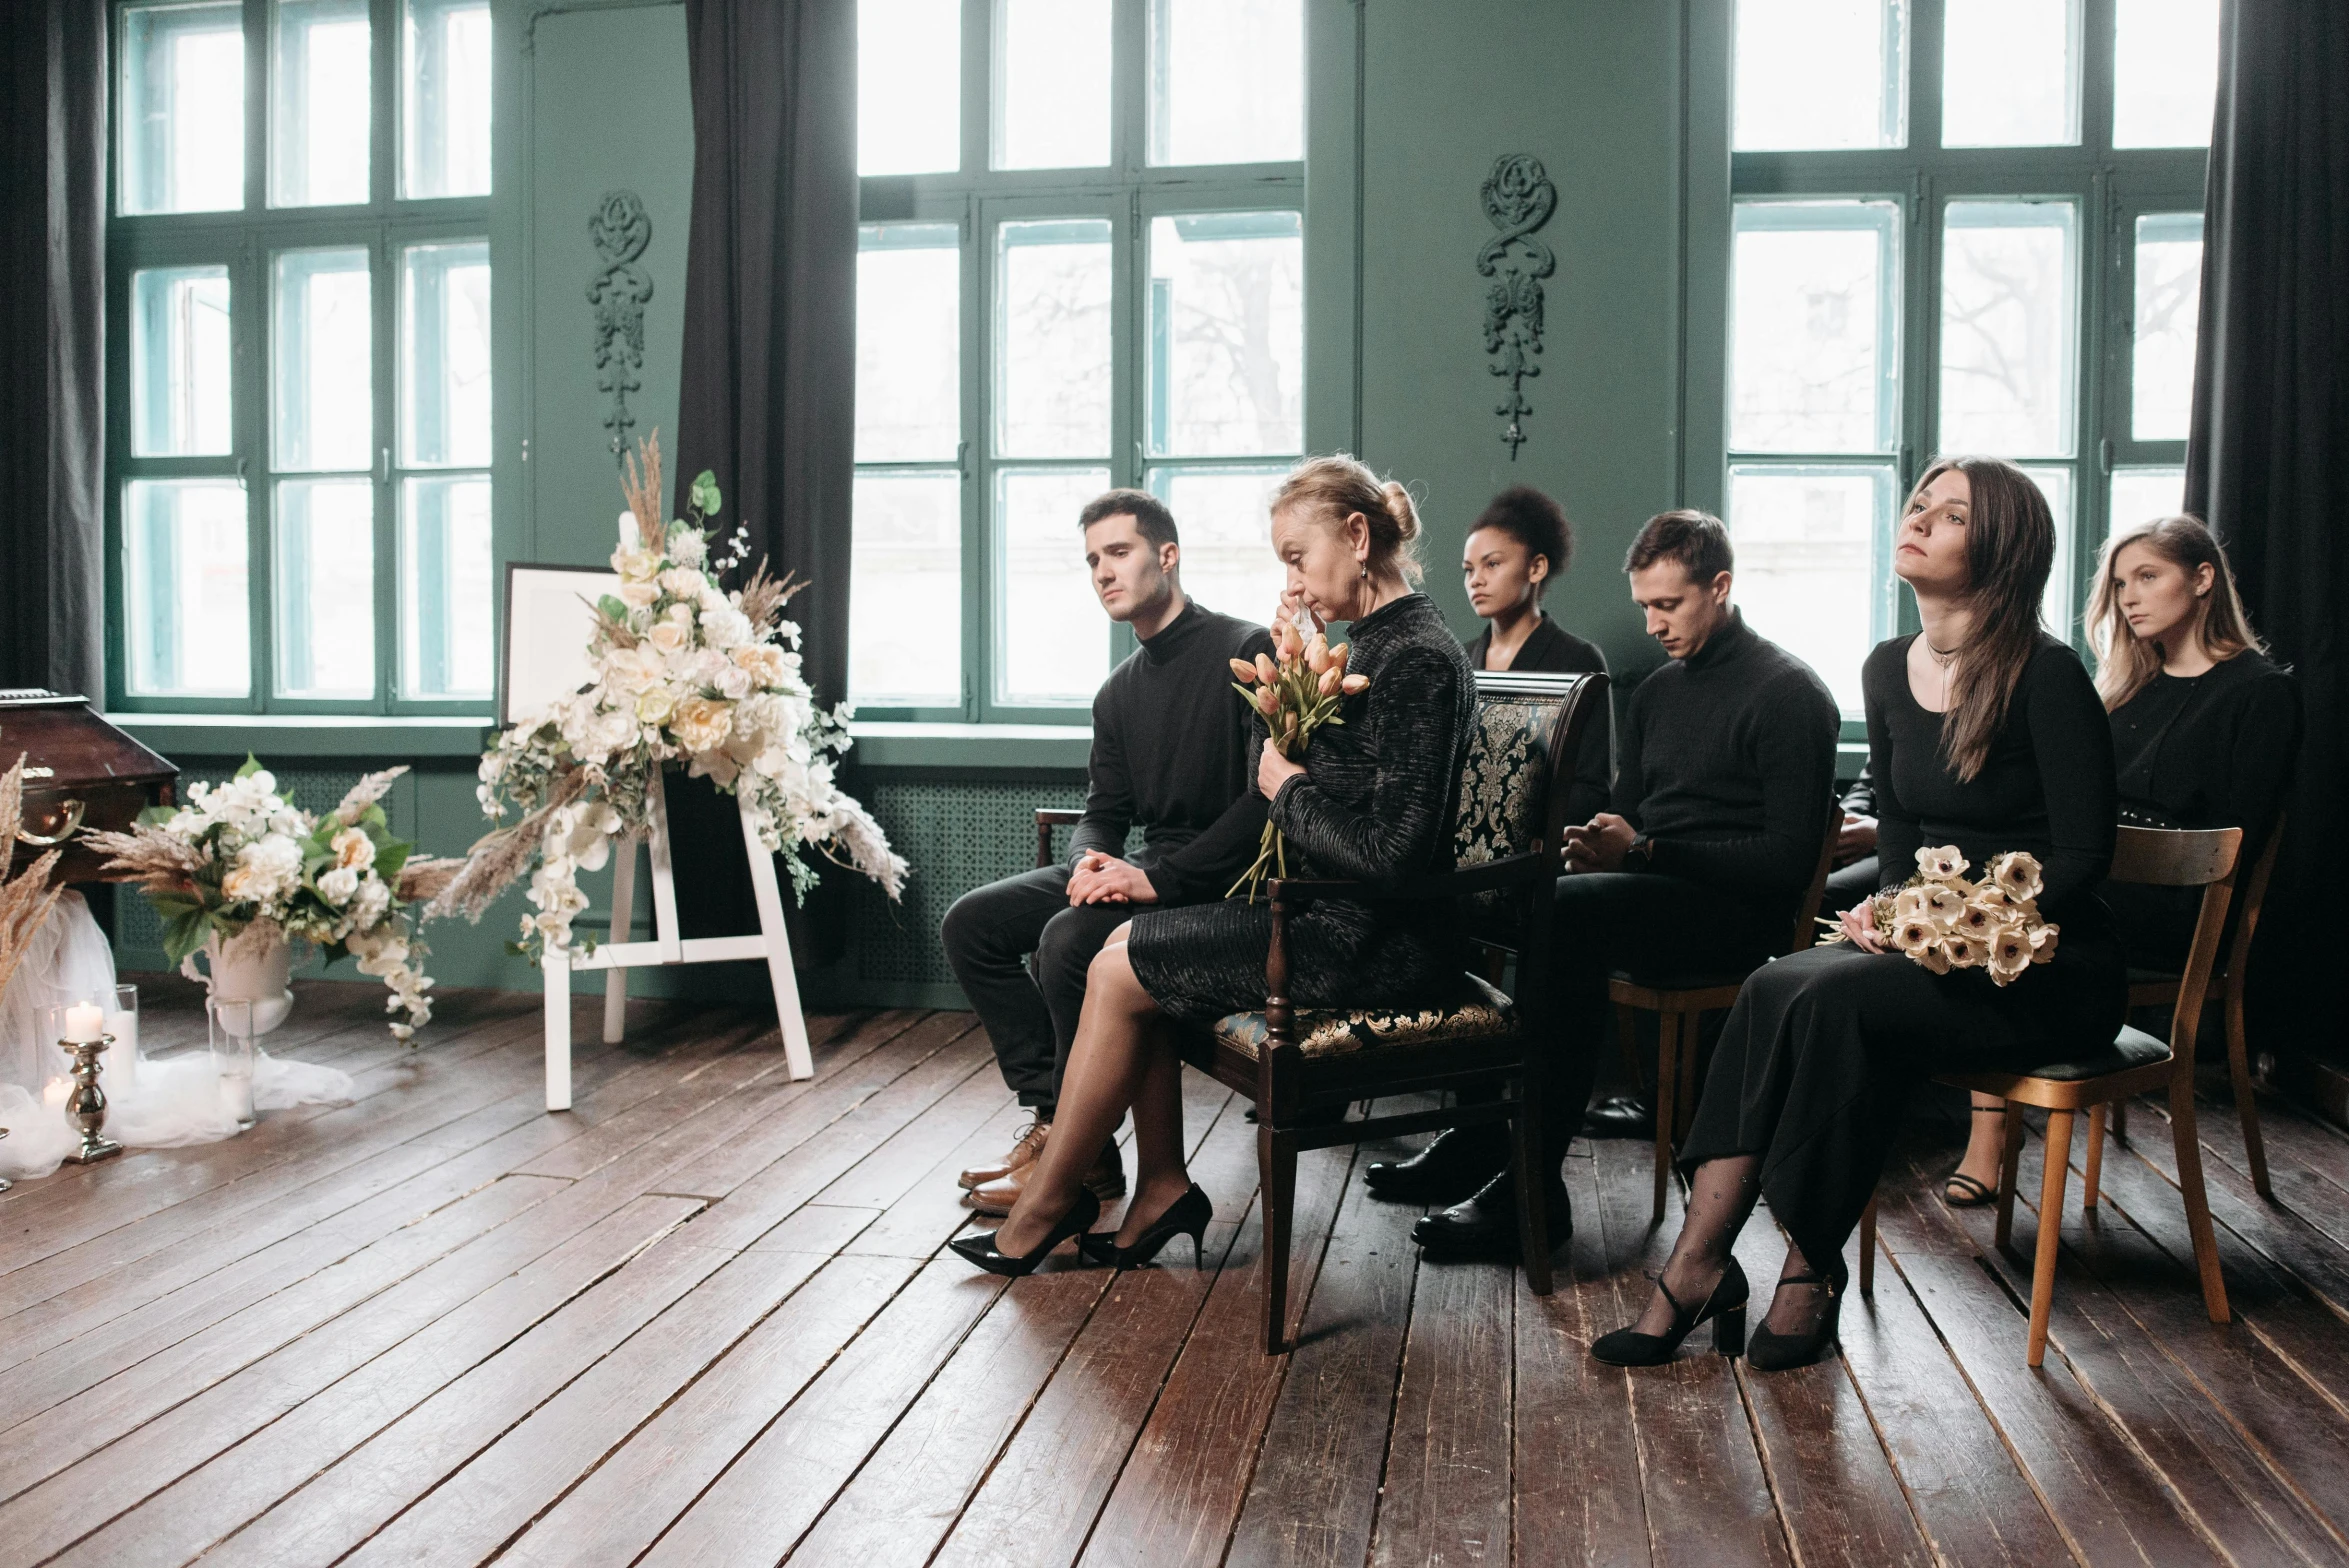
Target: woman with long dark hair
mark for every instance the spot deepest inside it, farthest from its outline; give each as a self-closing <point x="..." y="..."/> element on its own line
<point x="1373" y="801"/>
<point x="1983" y="732"/>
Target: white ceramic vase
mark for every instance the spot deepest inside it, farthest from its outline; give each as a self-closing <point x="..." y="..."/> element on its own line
<point x="255" y="967"/>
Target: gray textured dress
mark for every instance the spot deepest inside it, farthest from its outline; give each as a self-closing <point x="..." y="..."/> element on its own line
<point x="1377" y="802"/>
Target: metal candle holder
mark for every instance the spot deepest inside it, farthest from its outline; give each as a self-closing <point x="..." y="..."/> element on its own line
<point x="86" y="1106"/>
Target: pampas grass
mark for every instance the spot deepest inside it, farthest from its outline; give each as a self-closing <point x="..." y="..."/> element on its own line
<point x="25" y="901"/>
<point x="640" y="483"/>
<point x="499" y="858"/>
<point x="366" y="793"/>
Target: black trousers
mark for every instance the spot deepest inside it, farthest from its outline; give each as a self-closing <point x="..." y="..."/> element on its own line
<point x="1846" y="887"/>
<point x="1028" y="1010"/>
<point x="1655" y="928"/>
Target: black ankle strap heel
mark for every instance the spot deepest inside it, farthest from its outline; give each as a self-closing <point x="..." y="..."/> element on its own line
<point x="1783" y="1352"/>
<point x="1724" y="1309"/>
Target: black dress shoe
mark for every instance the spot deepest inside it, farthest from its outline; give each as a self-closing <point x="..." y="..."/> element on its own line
<point x="1486" y="1225"/>
<point x="1621" y="1116"/>
<point x="1768" y="1352"/>
<point x="1186" y="1216"/>
<point x="1461" y="1160"/>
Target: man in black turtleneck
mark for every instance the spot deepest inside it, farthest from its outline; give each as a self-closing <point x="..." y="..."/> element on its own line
<point x="1724" y="775"/>
<point x="1170" y="756"/>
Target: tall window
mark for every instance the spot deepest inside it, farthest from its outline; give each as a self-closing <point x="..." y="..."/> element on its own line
<point x="1081" y="265"/>
<point x="299" y="440"/>
<point x="1963" y="226"/>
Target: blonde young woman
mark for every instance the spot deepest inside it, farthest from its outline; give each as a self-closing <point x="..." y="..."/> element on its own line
<point x="1983" y="732"/>
<point x="1374" y="800"/>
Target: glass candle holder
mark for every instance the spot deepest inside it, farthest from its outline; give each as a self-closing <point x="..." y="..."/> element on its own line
<point x="122" y="1022"/>
<point x="230" y="1027"/>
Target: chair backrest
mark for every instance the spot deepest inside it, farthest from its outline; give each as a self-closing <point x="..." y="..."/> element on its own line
<point x="1521" y="750"/>
<point x="1806" y="918"/>
<point x="2185" y="857"/>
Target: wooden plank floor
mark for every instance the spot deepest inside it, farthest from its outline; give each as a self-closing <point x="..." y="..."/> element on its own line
<point x="705" y="1318"/>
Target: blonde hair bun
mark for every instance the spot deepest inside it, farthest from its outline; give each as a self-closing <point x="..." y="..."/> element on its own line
<point x="1335" y="487"/>
<point x="1399" y="507"/>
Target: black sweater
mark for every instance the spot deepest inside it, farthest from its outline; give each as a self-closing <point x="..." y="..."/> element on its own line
<point x="1728" y="764"/>
<point x="1552" y="650"/>
<point x="2046" y="787"/>
<point x="1170" y="755"/>
<point x="2209" y="751"/>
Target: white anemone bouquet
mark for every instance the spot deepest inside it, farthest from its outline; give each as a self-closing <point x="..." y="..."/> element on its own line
<point x="241" y="862"/>
<point x="1945" y="921"/>
<point x="686" y="672"/>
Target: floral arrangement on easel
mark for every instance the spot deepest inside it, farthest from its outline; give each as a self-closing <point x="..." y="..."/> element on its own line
<point x="241" y="865"/>
<point x="686" y="671"/>
<point x="1943" y="920"/>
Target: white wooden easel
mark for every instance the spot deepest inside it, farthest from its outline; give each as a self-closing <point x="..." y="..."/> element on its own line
<point x="619" y="955"/>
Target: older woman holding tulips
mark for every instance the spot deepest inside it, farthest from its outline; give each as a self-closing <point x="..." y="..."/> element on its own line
<point x="1371" y="798"/>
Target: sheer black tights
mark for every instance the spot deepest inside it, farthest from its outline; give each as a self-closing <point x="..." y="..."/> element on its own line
<point x="1721" y="1198"/>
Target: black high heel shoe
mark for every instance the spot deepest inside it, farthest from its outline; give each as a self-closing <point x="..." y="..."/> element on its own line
<point x="1186" y="1216"/>
<point x="1783" y="1352"/>
<point x="1725" y="1308"/>
<point x="982" y="1250"/>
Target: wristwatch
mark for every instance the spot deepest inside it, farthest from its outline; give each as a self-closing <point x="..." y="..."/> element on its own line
<point x="1643" y="848"/>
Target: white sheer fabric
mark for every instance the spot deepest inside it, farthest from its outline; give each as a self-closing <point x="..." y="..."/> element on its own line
<point x="175" y="1101"/>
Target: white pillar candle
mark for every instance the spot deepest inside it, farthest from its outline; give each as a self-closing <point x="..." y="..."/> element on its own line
<point x="84" y="1021"/>
<point x="122" y="1059"/>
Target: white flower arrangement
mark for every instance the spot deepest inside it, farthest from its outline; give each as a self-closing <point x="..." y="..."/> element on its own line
<point x="241" y="862"/>
<point x="687" y="672"/>
<point x="1944" y="922"/>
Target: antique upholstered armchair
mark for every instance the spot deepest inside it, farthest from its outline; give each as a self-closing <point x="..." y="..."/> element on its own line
<point x="1295" y="1062"/>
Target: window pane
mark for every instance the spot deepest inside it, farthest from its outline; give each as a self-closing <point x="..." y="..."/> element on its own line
<point x="908" y="343"/>
<point x="2169" y="302"/>
<point x="905" y="591"/>
<point x="1821" y="74"/>
<point x="1227" y="81"/>
<point x="1051" y="84"/>
<point x="1815" y="327"/>
<point x="1052" y="643"/>
<point x="1053" y="396"/>
<point x="325" y="588"/>
<point x="1225" y="518"/>
<point x="445" y="580"/>
<point x="183" y="108"/>
<point x="2140" y="495"/>
<point x="179" y="362"/>
<point x="322" y="363"/>
<point x="444" y="354"/>
<point x="2010" y="73"/>
<point x="1227" y="333"/>
<point x="2165" y="72"/>
<point x="908" y="86"/>
<point x="2056" y="606"/>
<point x="2009" y="329"/>
<point x="444" y="141"/>
<point x="318" y="117"/>
<point x="1807" y="573"/>
<point x="183" y="588"/>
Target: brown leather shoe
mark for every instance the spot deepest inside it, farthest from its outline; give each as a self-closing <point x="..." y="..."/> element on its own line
<point x="1106" y="1180"/>
<point x="1023" y="1153"/>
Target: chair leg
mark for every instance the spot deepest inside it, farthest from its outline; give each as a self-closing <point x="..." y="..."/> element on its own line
<point x="2189" y="1153"/>
<point x="1533" y="1210"/>
<point x="1868" y="1247"/>
<point x="1276" y="1166"/>
<point x="2120" y="1121"/>
<point x="1689" y="1043"/>
<point x="1627" y="1041"/>
<point x="1667" y="1100"/>
<point x="2246" y="1099"/>
<point x="2010" y="1161"/>
<point x="2095" y="1114"/>
<point x="2051" y="1217"/>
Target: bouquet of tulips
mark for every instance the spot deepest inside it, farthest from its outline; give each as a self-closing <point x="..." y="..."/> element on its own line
<point x="1294" y="694"/>
<point x="1945" y="921"/>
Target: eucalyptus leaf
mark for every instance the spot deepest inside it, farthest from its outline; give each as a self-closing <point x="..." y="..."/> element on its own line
<point x="704" y="495"/>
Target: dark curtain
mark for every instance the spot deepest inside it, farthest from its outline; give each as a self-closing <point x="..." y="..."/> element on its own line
<point x="52" y="346"/>
<point x="767" y="396"/>
<point x="2267" y="462"/>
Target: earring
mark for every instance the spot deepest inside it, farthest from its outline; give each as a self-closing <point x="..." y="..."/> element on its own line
<point x="1366" y="568"/>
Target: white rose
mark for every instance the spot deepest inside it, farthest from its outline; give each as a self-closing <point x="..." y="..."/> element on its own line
<point x="371" y="904"/>
<point x="701" y="724"/>
<point x="682" y="581"/>
<point x="632" y="670"/>
<point x="655" y="706"/>
<point x="669" y="636"/>
<point x="635" y="565"/>
<point x="733" y="682"/>
<point x="337" y="886"/>
<point x="725" y="627"/>
<point x="639" y="596"/>
<point x="764" y="662"/>
<point x="353" y="850"/>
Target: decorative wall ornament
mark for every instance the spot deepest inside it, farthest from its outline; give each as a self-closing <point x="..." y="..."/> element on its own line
<point x="1518" y="198"/>
<point x="621" y="231"/>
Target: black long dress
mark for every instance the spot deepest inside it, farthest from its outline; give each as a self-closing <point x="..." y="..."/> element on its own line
<point x="1376" y="803"/>
<point x="1818" y="1057"/>
<point x="2213" y="750"/>
<point x="1550" y="649"/>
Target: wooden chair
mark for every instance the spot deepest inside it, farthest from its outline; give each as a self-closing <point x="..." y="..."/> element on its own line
<point x="1048" y="818"/>
<point x="2150" y="988"/>
<point x="1294" y="1062"/>
<point x="2134" y="1063"/>
<point x="1680" y="1004"/>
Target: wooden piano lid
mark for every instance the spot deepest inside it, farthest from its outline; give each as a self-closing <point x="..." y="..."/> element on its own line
<point x="60" y="734"/>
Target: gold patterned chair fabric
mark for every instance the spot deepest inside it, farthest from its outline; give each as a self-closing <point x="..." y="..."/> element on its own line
<point x="1502" y="785"/>
<point x="1484" y="1014"/>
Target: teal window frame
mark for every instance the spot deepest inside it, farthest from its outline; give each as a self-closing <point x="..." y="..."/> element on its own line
<point x="2109" y="187"/>
<point x="245" y="241"/>
<point x="1128" y="191"/>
